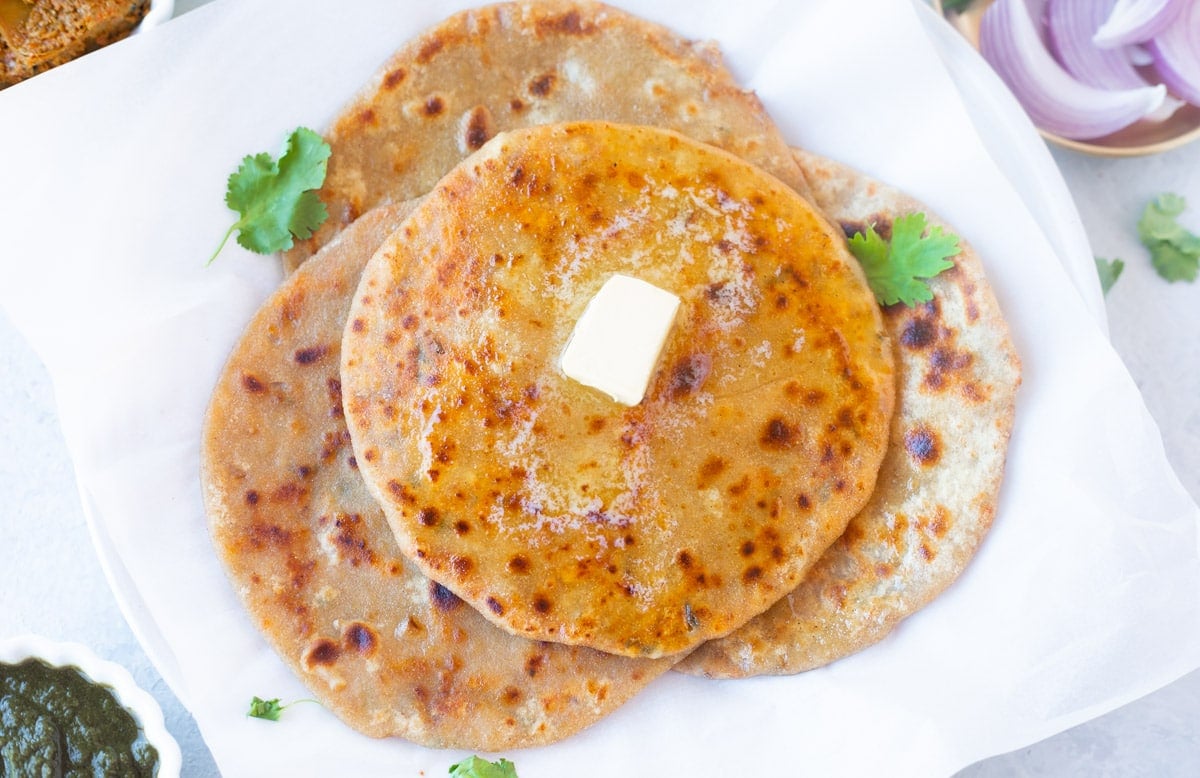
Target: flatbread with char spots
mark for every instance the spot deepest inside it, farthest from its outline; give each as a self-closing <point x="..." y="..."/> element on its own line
<point x="511" y="65"/>
<point x="314" y="561"/>
<point x="936" y="496"/>
<point x="557" y="512"/>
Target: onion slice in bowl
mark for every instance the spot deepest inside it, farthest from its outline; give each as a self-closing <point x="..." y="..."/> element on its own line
<point x="1176" y="53"/>
<point x="1055" y="100"/>
<point x="1135" y="21"/>
<point x="1070" y="25"/>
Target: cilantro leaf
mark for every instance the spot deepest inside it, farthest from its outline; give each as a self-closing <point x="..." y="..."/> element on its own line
<point x="275" y="199"/>
<point x="1174" y="252"/>
<point x="270" y="710"/>
<point x="265" y="709"/>
<point x="477" y="767"/>
<point x="1109" y="271"/>
<point x="897" y="270"/>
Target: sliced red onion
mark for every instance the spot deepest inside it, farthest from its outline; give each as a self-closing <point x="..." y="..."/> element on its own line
<point x="1070" y="25"/>
<point x="1135" y="21"/>
<point x="1176" y="53"/>
<point x="1054" y="100"/>
<point x="1138" y="55"/>
<point x="1037" y="12"/>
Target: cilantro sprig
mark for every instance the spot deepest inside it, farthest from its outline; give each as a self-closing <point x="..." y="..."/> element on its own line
<point x="270" y="709"/>
<point x="275" y="198"/>
<point x="1174" y="252"/>
<point x="897" y="270"/>
<point x="478" y="767"/>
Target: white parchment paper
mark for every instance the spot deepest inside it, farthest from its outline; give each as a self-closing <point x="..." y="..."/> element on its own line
<point x="1085" y="596"/>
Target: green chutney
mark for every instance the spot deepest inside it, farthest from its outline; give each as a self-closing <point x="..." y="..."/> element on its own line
<point x="54" y="722"/>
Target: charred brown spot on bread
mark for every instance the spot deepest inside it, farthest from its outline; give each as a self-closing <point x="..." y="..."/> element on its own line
<point x="394" y="78"/>
<point x="740" y="487"/>
<point x="684" y="560"/>
<point x="543" y="85"/>
<point x="461" y="527"/>
<point x="881" y="222"/>
<point x="778" y="434"/>
<point x="263" y="535"/>
<point x="542" y="604"/>
<point x="937" y="524"/>
<point x="289" y="492"/>
<point x="461" y="565"/>
<point x="442" y="598"/>
<point x="751" y="574"/>
<point x="918" y="333"/>
<point x="495" y="606"/>
<point x="434" y="105"/>
<point x="367" y="117"/>
<point x="360" y="638"/>
<point x="945" y="363"/>
<point x="430" y="48"/>
<point x="398" y="490"/>
<point x="923" y="445"/>
<point x="804" y="502"/>
<point x="972" y="391"/>
<point x="814" y="397"/>
<point x="709" y="470"/>
<point x="347" y="538"/>
<point x="252" y="497"/>
<point x="333" y="390"/>
<point x="478" y="128"/>
<point x="252" y="384"/>
<point x="570" y="23"/>
<point x="534" y="664"/>
<point x="307" y="356"/>
<point x="516" y="105"/>
<point x="747" y="548"/>
<point x="322" y="653"/>
<point x="688" y="374"/>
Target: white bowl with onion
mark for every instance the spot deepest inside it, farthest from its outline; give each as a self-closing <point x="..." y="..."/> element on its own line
<point x="1108" y="77"/>
<point x="143" y="707"/>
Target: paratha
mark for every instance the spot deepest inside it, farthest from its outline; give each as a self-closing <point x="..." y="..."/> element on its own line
<point x="315" y="564"/>
<point x="558" y="513"/>
<point x="936" y="497"/>
<point x="500" y="67"/>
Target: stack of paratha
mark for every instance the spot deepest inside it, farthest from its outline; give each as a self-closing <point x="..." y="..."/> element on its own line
<point x="452" y="542"/>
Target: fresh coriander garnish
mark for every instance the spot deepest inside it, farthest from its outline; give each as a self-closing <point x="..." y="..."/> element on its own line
<point x="1109" y="271"/>
<point x="271" y="709"/>
<point x="1174" y="252"/>
<point x="478" y="767"/>
<point x="275" y="199"/>
<point x="897" y="270"/>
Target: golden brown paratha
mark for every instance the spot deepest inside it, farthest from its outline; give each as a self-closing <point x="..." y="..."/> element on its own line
<point x="483" y="71"/>
<point x="314" y="561"/>
<point x="557" y="512"/>
<point x="938" y="487"/>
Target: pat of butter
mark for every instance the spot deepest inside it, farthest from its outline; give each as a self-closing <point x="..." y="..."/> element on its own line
<point x="617" y="341"/>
